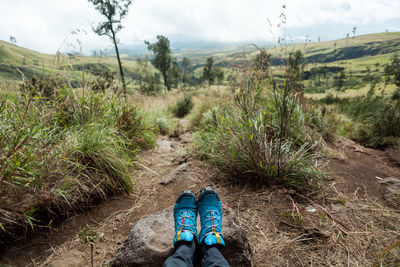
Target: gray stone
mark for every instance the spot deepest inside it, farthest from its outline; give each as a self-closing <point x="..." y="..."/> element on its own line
<point x="165" y="145"/>
<point x="391" y="181"/>
<point x="175" y="174"/>
<point x="181" y="159"/>
<point x="149" y="242"/>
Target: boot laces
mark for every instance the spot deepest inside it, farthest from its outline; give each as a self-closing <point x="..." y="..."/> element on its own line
<point x="187" y="221"/>
<point x="212" y="223"/>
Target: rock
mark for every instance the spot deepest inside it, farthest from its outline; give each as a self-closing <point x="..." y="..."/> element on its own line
<point x="310" y="208"/>
<point x="149" y="242"/>
<point x="392" y="192"/>
<point x="175" y="173"/>
<point x="75" y="258"/>
<point x="164" y="145"/>
<point x="181" y="159"/>
<point x="336" y="208"/>
<point x="391" y="181"/>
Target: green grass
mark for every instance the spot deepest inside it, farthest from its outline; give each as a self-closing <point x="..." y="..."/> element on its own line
<point x="371" y="120"/>
<point x="61" y="153"/>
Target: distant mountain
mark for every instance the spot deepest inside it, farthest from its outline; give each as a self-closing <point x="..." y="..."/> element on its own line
<point x="181" y="47"/>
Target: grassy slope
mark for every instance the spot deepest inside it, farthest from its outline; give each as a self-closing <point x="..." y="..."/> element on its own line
<point x="353" y="53"/>
<point x="33" y="63"/>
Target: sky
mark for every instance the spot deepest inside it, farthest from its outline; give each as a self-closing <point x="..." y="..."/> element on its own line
<point x="51" y="25"/>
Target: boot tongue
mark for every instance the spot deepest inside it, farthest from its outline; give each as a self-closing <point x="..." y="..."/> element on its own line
<point x="214" y="239"/>
<point x="184" y="236"/>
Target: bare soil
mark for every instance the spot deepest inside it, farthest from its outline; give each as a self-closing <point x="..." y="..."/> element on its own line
<point x="349" y="223"/>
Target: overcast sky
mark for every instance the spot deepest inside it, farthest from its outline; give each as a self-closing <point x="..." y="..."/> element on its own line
<point x="46" y="25"/>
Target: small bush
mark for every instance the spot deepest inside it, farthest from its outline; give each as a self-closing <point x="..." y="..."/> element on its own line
<point x="183" y="106"/>
<point x="322" y="122"/>
<point x="61" y="154"/>
<point x="40" y="87"/>
<point x="329" y="99"/>
<point x="105" y="80"/>
<point x="248" y="138"/>
<point x="163" y="126"/>
<point x="377" y="120"/>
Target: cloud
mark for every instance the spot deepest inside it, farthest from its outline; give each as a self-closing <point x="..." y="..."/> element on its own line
<point x="45" y="25"/>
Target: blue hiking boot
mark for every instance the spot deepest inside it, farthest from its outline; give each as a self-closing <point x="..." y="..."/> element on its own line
<point x="185" y="216"/>
<point x="210" y="210"/>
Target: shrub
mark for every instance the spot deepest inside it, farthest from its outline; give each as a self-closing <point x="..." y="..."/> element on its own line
<point x="183" y="106"/>
<point x="263" y="134"/>
<point x="60" y="155"/>
<point x="163" y="126"/>
<point x="329" y="99"/>
<point x="377" y="120"/>
<point x="40" y="87"/>
<point x="105" y="80"/>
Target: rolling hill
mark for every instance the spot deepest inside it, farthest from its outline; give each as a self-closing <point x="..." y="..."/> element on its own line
<point x="351" y="53"/>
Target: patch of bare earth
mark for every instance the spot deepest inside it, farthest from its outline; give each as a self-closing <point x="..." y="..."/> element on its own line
<point x="350" y="223"/>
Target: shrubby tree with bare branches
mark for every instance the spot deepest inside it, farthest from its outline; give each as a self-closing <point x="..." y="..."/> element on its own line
<point x="114" y="11"/>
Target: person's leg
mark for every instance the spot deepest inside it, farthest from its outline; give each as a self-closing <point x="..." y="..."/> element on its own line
<point x="212" y="257"/>
<point x="210" y="238"/>
<point x="185" y="240"/>
<point x="183" y="255"/>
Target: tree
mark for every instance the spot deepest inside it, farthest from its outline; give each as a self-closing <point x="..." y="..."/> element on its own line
<point x="13" y="40"/>
<point x="208" y="71"/>
<point x="114" y="11"/>
<point x="162" y="57"/>
<point x="185" y="65"/>
<point x="354" y="32"/>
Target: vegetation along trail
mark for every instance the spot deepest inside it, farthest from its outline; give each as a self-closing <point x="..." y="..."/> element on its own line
<point x="353" y="215"/>
<point x="111" y="221"/>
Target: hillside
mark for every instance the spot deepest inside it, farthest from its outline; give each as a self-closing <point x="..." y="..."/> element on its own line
<point x="32" y="63"/>
<point x="354" y="53"/>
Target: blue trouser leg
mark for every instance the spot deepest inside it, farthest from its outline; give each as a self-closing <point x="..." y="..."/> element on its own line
<point x="212" y="257"/>
<point x="183" y="256"/>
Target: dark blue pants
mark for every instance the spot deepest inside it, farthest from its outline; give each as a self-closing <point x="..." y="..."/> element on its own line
<point x="185" y="255"/>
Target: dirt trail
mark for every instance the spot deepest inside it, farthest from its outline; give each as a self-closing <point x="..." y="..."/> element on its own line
<point x="263" y="212"/>
<point x="113" y="219"/>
